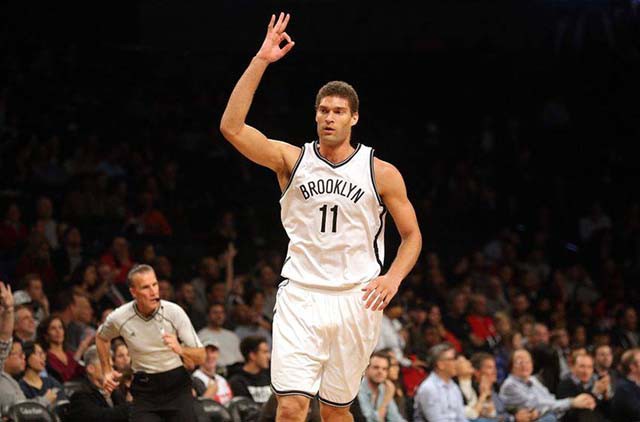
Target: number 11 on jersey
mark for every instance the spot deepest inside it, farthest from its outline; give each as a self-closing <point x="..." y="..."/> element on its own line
<point x="334" y="212"/>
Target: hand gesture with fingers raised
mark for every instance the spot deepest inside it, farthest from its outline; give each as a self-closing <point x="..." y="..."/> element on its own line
<point x="271" y="50"/>
<point x="6" y="297"/>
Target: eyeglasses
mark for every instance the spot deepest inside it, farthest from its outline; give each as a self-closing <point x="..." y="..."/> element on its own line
<point x="449" y="358"/>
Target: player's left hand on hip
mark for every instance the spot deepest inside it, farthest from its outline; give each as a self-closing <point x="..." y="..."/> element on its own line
<point x="379" y="292"/>
<point x="172" y="341"/>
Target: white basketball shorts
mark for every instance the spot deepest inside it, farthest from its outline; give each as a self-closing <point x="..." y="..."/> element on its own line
<point x="322" y="341"/>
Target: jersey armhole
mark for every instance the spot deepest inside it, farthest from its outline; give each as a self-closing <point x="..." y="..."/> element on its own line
<point x="293" y="171"/>
<point x="373" y="179"/>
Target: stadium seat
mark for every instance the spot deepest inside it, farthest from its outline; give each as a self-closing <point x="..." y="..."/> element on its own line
<point x="61" y="409"/>
<point x="243" y="409"/>
<point x="214" y="411"/>
<point x="70" y="387"/>
<point x="29" y="411"/>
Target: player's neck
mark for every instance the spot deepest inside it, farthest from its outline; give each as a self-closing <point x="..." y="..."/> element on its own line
<point x="336" y="153"/>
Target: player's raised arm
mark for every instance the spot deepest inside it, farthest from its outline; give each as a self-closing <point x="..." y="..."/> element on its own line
<point x="252" y="143"/>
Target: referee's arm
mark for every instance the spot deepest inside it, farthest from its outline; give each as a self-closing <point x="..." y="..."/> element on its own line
<point x="111" y="377"/>
<point x="191" y="355"/>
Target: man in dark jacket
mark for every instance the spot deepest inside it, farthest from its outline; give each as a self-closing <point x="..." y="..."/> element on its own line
<point x="92" y="403"/>
<point x="625" y="405"/>
<point x="583" y="380"/>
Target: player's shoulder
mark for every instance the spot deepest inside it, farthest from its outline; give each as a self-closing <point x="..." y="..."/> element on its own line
<point x="387" y="175"/>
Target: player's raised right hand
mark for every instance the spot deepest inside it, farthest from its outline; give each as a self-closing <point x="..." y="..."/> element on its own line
<point x="271" y="50"/>
<point x="111" y="381"/>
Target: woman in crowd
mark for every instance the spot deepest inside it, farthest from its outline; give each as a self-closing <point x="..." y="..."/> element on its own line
<point x="32" y="383"/>
<point x="61" y="363"/>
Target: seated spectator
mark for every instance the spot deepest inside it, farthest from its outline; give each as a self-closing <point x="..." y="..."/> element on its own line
<point x="438" y="397"/>
<point x="434" y="319"/>
<point x="483" y="334"/>
<point x="91" y="403"/>
<point x="395" y="376"/>
<point x="390" y="336"/>
<point x="12" y="232"/>
<point x="455" y="320"/>
<point x="603" y="363"/>
<point x="208" y="274"/>
<point x="485" y="377"/>
<point x="32" y="383"/>
<point x="119" y="259"/>
<point x="253" y="380"/>
<point x="625" y="405"/>
<point x="70" y="255"/>
<point x="521" y="389"/>
<point x="248" y="323"/>
<point x="85" y="282"/>
<point x="377" y="391"/>
<point x="25" y="325"/>
<point x="476" y="403"/>
<point x="77" y="315"/>
<point x="227" y="341"/>
<point x="61" y="363"/>
<point x="216" y="387"/>
<point x="121" y="359"/>
<point x="12" y="361"/>
<point x="583" y="380"/>
<point x="33" y="295"/>
<point x="186" y="298"/>
<point x="36" y="259"/>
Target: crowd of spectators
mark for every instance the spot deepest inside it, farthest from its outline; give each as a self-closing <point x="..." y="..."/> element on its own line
<point x="522" y="306"/>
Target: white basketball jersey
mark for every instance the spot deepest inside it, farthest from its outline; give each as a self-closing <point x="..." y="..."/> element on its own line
<point x="334" y="218"/>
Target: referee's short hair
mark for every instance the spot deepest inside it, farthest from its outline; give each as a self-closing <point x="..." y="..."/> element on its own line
<point x="251" y="344"/>
<point x="137" y="269"/>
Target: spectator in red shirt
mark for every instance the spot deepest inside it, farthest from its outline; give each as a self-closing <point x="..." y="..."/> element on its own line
<point x="483" y="331"/>
<point x="61" y="363"/>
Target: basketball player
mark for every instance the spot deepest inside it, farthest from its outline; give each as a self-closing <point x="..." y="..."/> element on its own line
<point x="153" y="330"/>
<point x="334" y="200"/>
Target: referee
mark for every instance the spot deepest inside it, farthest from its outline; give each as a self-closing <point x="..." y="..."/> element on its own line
<point x="160" y="336"/>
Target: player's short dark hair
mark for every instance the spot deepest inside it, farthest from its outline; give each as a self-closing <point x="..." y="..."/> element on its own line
<point x="251" y="344"/>
<point x="339" y="89"/>
<point x="138" y="269"/>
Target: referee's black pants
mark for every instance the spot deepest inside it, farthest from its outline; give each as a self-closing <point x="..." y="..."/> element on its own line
<point x="163" y="397"/>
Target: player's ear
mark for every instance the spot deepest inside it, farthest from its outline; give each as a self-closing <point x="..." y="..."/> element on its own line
<point x="354" y="118"/>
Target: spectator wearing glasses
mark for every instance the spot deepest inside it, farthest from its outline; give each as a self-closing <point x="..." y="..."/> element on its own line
<point x="438" y="397"/>
<point x="32" y="383"/>
<point x="377" y="391"/>
<point x="520" y="389"/>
